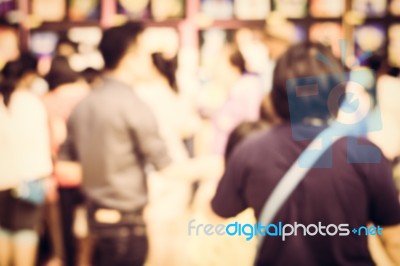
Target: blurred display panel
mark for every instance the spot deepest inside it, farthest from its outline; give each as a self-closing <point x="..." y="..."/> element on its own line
<point x="167" y="9"/>
<point x="395" y="7"/>
<point x="252" y="9"/>
<point x="394" y="45"/>
<point x="49" y="10"/>
<point x="43" y="43"/>
<point x="80" y="10"/>
<point x="137" y="9"/>
<point x="87" y="55"/>
<point x="327" y="8"/>
<point x="369" y="38"/>
<point x="6" y="6"/>
<point x="291" y="8"/>
<point x="217" y="9"/>
<point x="168" y="47"/>
<point x="327" y="33"/>
<point x="300" y="33"/>
<point x="370" y="8"/>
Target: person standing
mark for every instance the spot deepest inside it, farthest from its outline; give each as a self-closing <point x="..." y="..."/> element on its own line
<point x="244" y="97"/>
<point x="66" y="90"/>
<point x="169" y="200"/>
<point x="25" y="163"/>
<point x="355" y="191"/>
<point x="114" y="137"/>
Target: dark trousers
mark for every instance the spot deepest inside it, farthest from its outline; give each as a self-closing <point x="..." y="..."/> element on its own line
<point x="121" y="244"/>
<point x="70" y="199"/>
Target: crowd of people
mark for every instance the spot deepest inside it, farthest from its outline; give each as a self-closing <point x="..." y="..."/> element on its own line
<point x="103" y="168"/>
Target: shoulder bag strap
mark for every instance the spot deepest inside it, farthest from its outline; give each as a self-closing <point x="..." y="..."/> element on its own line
<point x="292" y="178"/>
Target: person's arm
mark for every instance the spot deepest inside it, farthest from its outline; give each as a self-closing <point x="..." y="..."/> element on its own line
<point x="378" y="252"/>
<point x="145" y="132"/>
<point x="391" y="242"/>
<point x="229" y="197"/>
<point x="68" y="172"/>
<point x="384" y="206"/>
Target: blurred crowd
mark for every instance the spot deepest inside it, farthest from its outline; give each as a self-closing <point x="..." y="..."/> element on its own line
<point x="107" y="167"/>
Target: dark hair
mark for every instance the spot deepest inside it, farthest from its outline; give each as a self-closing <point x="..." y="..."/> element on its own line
<point x="60" y="73"/>
<point x="236" y="59"/>
<point x="380" y="65"/>
<point x="90" y="74"/>
<point x="12" y="73"/>
<point x="241" y="132"/>
<point x="167" y="68"/>
<point x="267" y="112"/>
<point x="116" y="41"/>
<point x="7" y="24"/>
<point x="311" y="66"/>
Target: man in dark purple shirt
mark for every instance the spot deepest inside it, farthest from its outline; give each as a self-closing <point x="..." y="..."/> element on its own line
<point x="355" y="190"/>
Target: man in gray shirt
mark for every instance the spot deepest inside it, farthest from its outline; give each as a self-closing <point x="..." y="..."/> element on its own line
<point x="113" y="135"/>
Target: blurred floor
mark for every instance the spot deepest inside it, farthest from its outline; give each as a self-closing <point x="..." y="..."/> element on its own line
<point x="171" y="245"/>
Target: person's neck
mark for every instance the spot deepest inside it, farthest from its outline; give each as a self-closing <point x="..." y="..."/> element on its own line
<point x="122" y="75"/>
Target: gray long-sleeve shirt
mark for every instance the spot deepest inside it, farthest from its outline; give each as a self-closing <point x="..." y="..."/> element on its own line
<point x="113" y="134"/>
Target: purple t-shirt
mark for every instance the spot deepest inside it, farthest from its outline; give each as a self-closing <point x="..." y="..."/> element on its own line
<point x="243" y="104"/>
<point x="349" y="193"/>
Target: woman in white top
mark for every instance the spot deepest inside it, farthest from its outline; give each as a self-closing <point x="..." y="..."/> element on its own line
<point x="169" y="199"/>
<point x="24" y="157"/>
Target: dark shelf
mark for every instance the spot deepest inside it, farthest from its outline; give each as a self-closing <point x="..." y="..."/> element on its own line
<point x="65" y="25"/>
<point x="162" y="23"/>
<point x="234" y="23"/>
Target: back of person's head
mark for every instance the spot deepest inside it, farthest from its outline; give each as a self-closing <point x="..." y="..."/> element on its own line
<point x="14" y="72"/>
<point x="167" y="67"/>
<point x="240" y="133"/>
<point x="60" y="73"/>
<point x="305" y="75"/>
<point x="91" y="75"/>
<point x="117" y="41"/>
<point x="25" y="63"/>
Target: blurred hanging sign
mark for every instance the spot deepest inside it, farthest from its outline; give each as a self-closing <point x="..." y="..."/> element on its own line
<point x="136" y="9"/>
<point x="354" y="18"/>
<point x="395" y="7"/>
<point x="217" y="9"/>
<point x="252" y="9"/>
<point x="370" y="8"/>
<point x="291" y="8"/>
<point x="167" y="9"/>
<point x="49" y="10"/>
<point x="80" y="10"/>
<point x="327" y="8"/>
